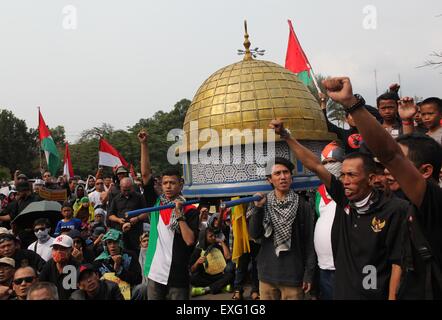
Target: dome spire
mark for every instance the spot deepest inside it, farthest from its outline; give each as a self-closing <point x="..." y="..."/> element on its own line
<point x="248" y="54"/>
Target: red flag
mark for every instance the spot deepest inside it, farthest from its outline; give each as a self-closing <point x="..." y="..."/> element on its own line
<point x="295" y="60"/>
<point x="43" y="131"/>
<point x="67" y="167"/>
<point x="109" y="156"/>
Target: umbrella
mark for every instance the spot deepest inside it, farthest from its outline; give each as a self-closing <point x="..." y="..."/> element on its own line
<point x="39" y="209"/>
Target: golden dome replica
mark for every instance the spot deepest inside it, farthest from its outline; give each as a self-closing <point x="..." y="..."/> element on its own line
<point x="226" y="139"/>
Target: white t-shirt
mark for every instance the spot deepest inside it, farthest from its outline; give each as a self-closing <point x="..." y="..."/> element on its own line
<point x="95" y="198"/>
<point x="162" y="260"/>
<point x="322" y="236"/>
<point x="44" y="250"/>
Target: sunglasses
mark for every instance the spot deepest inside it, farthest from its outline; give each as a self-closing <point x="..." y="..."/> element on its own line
<point x="25" y="279"/>
<point x="98" y="183"/>
<point x="39" y="229"/>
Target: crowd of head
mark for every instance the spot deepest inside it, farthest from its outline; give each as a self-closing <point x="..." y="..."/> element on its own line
<point x="372" y="230"/>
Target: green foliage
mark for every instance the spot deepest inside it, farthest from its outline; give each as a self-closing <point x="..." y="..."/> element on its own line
<point x="5" y="174"/>
<point x="17" y="146"/>
<point x="84" y="153"/>
<point x="158" y="126"/>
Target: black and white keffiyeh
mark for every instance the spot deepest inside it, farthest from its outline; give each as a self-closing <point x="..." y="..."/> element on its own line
<point x="173" y="224"/>
<point x="279" y="216"/>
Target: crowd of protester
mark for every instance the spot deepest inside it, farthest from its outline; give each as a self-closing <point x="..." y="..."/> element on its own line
<point x="371" y="231"/>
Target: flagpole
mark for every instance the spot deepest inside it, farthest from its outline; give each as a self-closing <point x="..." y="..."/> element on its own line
<point x="39" y="142"/>
<point x="314" y="79"/>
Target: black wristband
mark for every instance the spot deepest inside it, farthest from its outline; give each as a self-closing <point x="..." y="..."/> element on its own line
<point x="357" y="105"/>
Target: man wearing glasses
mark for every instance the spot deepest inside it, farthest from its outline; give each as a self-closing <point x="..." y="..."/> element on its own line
<point x="24" y="278"/>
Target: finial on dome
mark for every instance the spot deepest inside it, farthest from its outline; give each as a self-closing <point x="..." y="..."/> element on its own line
<point x="248" y="54"/>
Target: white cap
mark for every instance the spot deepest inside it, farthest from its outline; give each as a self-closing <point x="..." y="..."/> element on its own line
<point x="64" y="241"/>
<point x="39" y="182"/>
<point x="5" y="231"/>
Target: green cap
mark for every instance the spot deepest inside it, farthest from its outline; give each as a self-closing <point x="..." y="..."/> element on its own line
<point x="84" y="200"/>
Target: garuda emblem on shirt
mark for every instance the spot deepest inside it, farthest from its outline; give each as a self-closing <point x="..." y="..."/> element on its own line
<point x="377" y="224"/>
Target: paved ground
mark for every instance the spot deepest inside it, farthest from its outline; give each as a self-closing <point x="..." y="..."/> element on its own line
<point x="223" y="296"/>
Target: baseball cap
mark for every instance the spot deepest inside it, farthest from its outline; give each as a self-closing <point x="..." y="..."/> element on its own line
<point x="8" y="261"/>
<point x="121" y="169"/>
<point x="5" y="231"/>
<point x="39" y="182"/>
<point x="74" y="233"/>
<point x="98" y="231"/>
<point x="22" y="176"/>
<point x="84" y="200"/>
<point x="84" y="268"/>
<point x="64" y="241"/>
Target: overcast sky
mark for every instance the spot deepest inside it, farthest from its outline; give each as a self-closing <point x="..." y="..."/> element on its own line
<point x="128" y="59"/>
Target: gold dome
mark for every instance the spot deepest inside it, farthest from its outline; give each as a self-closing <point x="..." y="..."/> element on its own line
<point x="248" y="95"/>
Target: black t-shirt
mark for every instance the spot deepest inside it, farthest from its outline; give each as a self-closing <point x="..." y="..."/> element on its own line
<point x="197" y="254"/>
<point x="17" y="206"/>
<point x="50" y="274"/>
<point x="351" y="139"/>
<point x="366" y="242"/>
<point x="149" y="192"/>
<point x="428" y="219"/>
<point x="121" y="204"/>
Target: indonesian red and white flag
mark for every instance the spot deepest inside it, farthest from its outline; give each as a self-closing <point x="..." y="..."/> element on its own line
<point x="68" y="171"/>
<point x="109" y="156"/>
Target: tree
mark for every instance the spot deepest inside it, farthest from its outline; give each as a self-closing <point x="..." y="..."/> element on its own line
<point x="5" y="174"/>
<point x="436" y="63"/>
<point x="158" y="126"/>
<point x="17" y="146"/>
<point x="105" y="130"/>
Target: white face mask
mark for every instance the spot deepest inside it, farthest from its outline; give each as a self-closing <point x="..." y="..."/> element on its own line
<point x="334" y="168"/>
<point x="42" y="235"/>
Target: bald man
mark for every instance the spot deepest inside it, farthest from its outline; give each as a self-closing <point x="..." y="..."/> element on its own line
<point x="128" y="200"/>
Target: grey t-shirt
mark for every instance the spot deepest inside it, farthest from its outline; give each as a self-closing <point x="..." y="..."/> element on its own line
<point x="436" y="135"/>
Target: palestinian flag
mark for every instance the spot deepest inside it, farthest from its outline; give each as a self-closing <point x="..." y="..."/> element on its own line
<point x="167" y="255"/>
<point x="48" y="146"/>
<point x="296" y="61"/>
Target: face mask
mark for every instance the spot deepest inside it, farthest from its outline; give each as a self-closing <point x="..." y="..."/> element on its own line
<point x="42" y="235"/>
<point x="204" y="224"/>
<point x="334" y="168"/>
<point x="59" y="256"/>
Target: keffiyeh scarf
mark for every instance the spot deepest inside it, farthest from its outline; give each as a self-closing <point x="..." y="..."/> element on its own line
<point x="174" y="224"/>
<point x="279" y="216"/>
